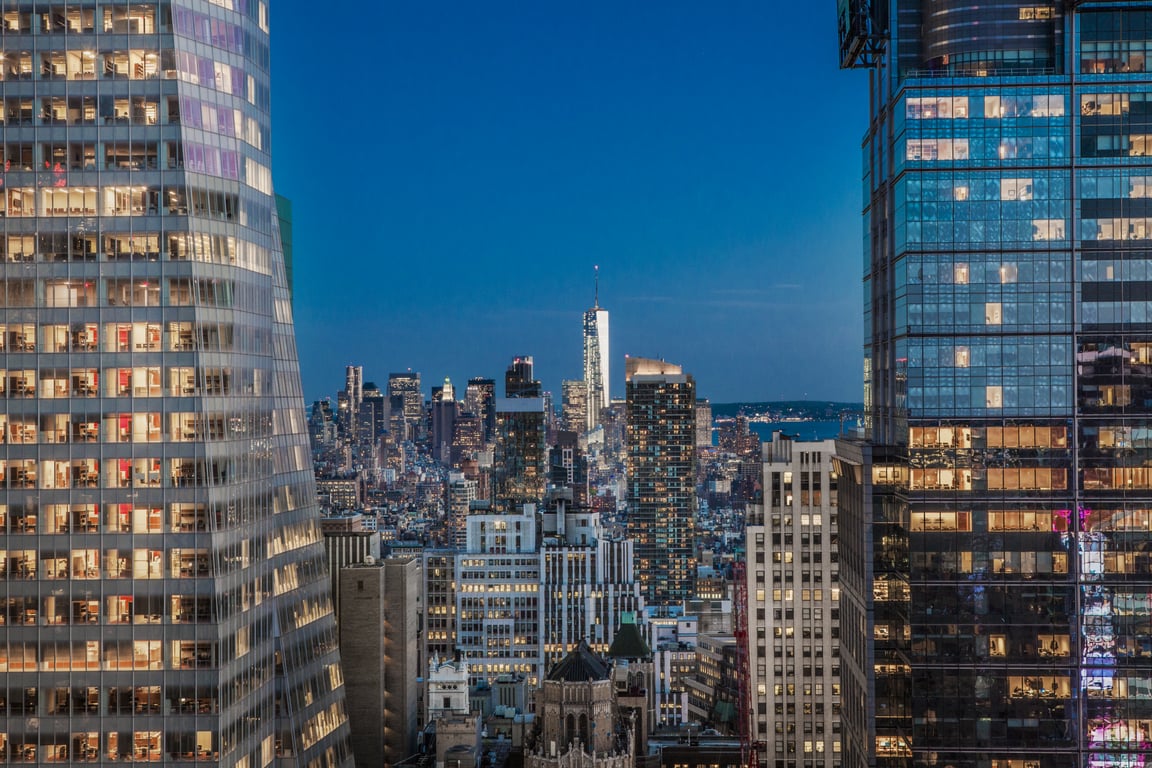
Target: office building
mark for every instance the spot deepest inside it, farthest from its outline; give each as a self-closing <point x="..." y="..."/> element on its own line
<point x="568" y="467"/>
<point x="379" y="620"/>
<point x="661" y="477"/>
<point x="467" y="438"/>
<point x="353" y="395"/>
<point x="672" y="636"/>
<point x="373" y="413"/>
<point x="792" y="612"/>
<point x="703" y="423"/>
<point x="497" y="610"/>
<point x="714" y="691"/>
<point x="995" y="594"/>
<point x="589" y="579"/>
<point x="461" y="494"/>
<point x="165" y="569"/>
<point x="406" y="387"/>
<point x="444" y="411"/>
<point x="347" y="541"/>
<point x="597" y="378"/>
<point x="518" y="379"/>
<point x="520" y="460"/>
<point x="480" y="400"/>
<point x="439" y="572"/>
<point x="574" y="405"/>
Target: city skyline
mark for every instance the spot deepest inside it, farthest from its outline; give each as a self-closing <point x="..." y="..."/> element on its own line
<point x="653" y="144"/>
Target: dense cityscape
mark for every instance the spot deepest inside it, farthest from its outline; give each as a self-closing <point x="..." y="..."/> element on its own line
<point x="202" y="567"/>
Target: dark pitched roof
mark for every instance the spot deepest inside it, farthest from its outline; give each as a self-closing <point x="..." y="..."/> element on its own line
<point x="579" y="666"/>
<point x="629" y="644"/>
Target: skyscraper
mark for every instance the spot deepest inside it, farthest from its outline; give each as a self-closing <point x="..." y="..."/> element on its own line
<point x="661" y="477"/>
<point x="444" y="410"/>
<point x="521" y="455"/>
<point x="995" y="596"/>
<point x="793" y="593"/>
<point x="166" y="597"/>
<point x="596" y="359"/>
<point x="406" y="386"/>
<point x="480" y="400"/>
<point x="518" y="379"/>
<point x="574" y="395"/>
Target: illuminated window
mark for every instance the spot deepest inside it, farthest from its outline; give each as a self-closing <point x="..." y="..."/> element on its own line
<point x="993" y="397"/>
<point x="1047" y="229"/>
<point x="962" y="357"/>
<point x="960" y="193"/>
<point x="993" y="313"/>
<point x="1008" y="273"/>
<point x="1016" y="189"/>
<point x="960" y="274"/>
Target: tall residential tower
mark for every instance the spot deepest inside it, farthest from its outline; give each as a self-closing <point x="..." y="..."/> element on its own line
<point x="166" y="597"/>
<point x="661" y="477"/>
<point x="996" y="526"/>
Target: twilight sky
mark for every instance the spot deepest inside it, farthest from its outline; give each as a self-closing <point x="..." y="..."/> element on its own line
<point x="458" y="168"/>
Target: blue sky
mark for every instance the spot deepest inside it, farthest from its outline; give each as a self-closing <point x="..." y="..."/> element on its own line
<point x="458" y="168"/>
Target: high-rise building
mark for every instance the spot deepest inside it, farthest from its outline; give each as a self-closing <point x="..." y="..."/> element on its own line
<point x="166" y="596"/>
<point x="568" y="467"/>
<point x="703" y="423"/>
<point x="597" y="377"/>
<point x="354" y="386"/>
<point x="347" y="541"/>
<point x="379" y="639"/>
<point x="444" y="410"/>
<point x="995" y="598"/>
<point x="520" y="463"/>
<point x="373" y="413"/>
<point x="407" y="386"/>
<point x="574" y="405"/>
<point x="519" y="379"/>
<point x="661" y="477"/>
<point x="498" y="616"/>
<point x="589" y="579"/>
<point x="792" y="612"/>
<point x="467" y="438"/>
<point x="480" y="400"/>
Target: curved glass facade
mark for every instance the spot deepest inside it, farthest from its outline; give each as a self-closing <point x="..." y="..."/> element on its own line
<point x="164" y="588"/>
<point x="1006" y="607"/>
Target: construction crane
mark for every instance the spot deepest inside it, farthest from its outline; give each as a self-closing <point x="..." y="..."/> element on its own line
<point x="749" y="749"/>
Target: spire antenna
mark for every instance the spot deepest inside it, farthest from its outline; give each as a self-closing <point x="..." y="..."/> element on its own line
<point x="596" y="267"/>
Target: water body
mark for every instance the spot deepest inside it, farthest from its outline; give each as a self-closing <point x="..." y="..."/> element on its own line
<point x="802" y="430"/>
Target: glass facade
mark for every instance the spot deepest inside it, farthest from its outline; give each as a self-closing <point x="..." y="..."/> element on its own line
<point x="164" y="591"/>
<point x="1002" y="596"/>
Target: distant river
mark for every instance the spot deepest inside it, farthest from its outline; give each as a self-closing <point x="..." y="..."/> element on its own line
<point x="802" y="430"/>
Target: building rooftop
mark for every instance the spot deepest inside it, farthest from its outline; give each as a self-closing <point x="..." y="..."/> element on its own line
<point x="629" y="644"/>
<point x="581" y="665"/>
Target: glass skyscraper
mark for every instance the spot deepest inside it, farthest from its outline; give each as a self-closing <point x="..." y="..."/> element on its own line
<point x="164" y="595"/>
<point x="597" y="376"/>
<point x="996" y="550"/>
